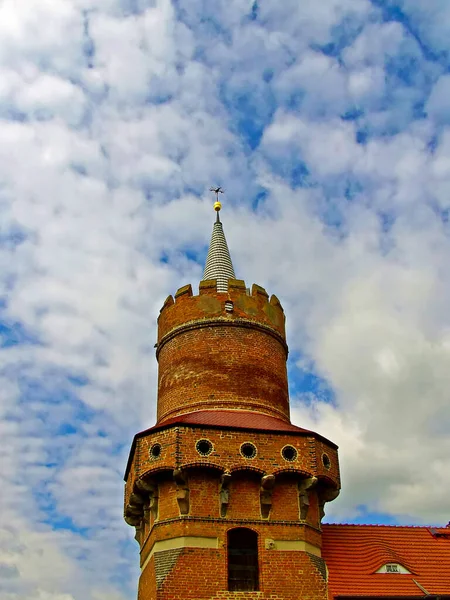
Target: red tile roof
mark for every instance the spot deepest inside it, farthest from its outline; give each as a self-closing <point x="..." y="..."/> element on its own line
<point x="234" y="419"/>
<point x="354" y="553"/>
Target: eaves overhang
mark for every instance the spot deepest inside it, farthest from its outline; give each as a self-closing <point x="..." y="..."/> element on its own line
<point x="196" y="420"/>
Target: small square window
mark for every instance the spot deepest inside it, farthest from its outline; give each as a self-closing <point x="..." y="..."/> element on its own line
<point x="392" y="569"/>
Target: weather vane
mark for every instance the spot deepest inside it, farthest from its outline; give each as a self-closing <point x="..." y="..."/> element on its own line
<point x="217" y="204"/>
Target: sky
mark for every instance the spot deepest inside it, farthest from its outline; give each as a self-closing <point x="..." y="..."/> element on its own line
<point x="328" y="125"/>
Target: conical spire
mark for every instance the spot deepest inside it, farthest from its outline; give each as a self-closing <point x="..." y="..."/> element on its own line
<point x="218" y="262"/>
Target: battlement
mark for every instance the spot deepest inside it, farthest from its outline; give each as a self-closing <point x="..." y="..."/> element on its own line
<point x="238" y="303"/>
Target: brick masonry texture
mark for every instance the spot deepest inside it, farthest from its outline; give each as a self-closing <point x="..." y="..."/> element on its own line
<point x="164" y="564"/>
<point x="222" y="351"/>
<point x="222" y="367"/>
<point x="178" y="450"/>
<point x="210" y="304"/>
<point x="199" y="574"/>
<point x="217" y="527"/>
<point x="211" y="357"/>
<point x="319" y="562"/>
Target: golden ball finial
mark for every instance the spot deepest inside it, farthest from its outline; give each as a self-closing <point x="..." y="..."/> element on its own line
<point x="217" y="204"/>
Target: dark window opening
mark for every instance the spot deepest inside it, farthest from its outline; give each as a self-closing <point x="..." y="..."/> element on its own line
<point x="155" y="451"/>
<point x="243" y="573"/>
<point x="204" y="447"/>
<point x="248" y="450"/>
<point x="289" y="453"/>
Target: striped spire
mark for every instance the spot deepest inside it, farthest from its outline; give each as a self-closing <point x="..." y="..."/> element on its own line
<point x="218" y="262"/>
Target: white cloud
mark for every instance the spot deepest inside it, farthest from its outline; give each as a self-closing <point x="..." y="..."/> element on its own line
<point x="321" y="82"/>
<point x="328" y="147"/>
<point x="366" y="85"/>
<point x="115" y="118"/>
<point x="314" y="21"/>
<point x="375" y="43"/>
<point x="430" y="21"/>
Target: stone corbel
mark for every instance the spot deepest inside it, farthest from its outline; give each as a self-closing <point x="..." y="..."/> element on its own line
<point x="134" y="511"/>
<point x="265" y="494"/>
<point x="304" y="486"/>
<point x="138" y="534"/>
<point x="132" y="519"/>
<point x="135" y="507"/>
<point x="153" y="505"/>
<point x="326" y="495"/>
<point x="182" y="491"/>
<point x="150" y="489"/>
<point x="136" y="500"/>
<point x="224" y="493"/>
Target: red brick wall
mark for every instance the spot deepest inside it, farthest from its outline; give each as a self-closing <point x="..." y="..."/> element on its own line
<point x="285" y="505"/>
<point x="190" y="525"/>
<point x="204" y="493"/>
<point x="198" y="573"/>
<point x="179" y="451"/>
<point x="222" y="367"/>
<point x="321" y="449"/>
<point x="244" y="496"/>
<point x="202" y="573"/>
<point x="226" y="455"/>
<point x="147" y="583"/>
<point x="212" y="358"/>
<point x="167" y="502"/>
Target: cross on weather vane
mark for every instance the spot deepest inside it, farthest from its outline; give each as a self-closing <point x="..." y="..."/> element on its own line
<point x="217" y="206"/>
<point x="217" y="191"/>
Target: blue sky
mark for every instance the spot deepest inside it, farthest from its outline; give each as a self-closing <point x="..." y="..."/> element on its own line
<point x="328" y="125"/>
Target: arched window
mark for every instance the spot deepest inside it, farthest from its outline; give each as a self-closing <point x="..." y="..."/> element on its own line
<point x="242" y="560"/>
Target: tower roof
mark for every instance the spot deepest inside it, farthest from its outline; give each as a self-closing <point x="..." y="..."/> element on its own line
<point x="218" y="262"/>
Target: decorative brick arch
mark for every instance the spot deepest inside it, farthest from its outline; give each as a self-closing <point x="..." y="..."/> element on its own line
<point x="292" y="470"/>
<point x="242" y="468"/>
<point x="202" y="464"/>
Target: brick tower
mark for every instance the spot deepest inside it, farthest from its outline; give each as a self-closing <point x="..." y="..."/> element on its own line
<point x="226" y="495"/>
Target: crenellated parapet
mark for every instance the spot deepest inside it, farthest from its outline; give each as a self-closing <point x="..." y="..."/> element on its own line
<point x="238" y="303"/>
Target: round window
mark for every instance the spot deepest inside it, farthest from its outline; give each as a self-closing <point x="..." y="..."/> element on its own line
<point x="204" y="447"/>
<point x="326" y="461"/>
<point x="155" y="451"/>
<point x="248" y="450"/>
<point x="289" y="453"/>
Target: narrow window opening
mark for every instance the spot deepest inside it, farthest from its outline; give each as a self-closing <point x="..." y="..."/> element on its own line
<point x="243" y="575"/>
